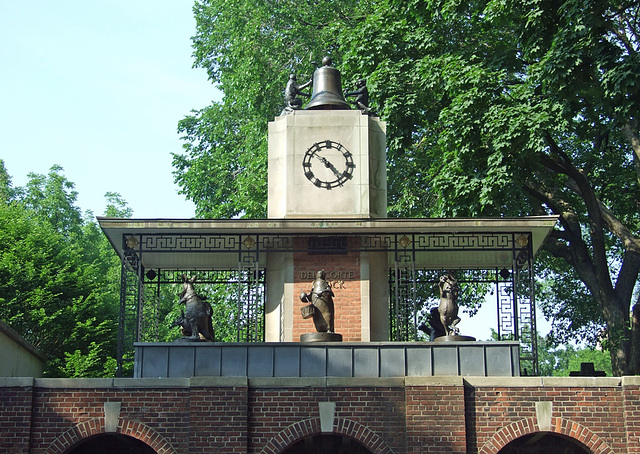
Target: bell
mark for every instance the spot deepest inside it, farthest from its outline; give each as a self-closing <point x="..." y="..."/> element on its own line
<point x="327" y="89"/>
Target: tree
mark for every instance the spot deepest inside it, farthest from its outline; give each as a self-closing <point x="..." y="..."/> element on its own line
<point x="529" y="111"/>
<point x="561" y="361"/>
<point x="6" y="191"/>
<point x="249" y="49"/>
<point x="58" y="278"/>
<point x="494" y="108"/>
<point x="53" y="197"/>
<point x="42" y="284"/>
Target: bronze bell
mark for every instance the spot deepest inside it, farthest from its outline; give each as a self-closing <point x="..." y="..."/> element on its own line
<point x="327" y="89"/>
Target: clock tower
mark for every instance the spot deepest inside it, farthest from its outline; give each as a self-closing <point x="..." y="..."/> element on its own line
<point x="327" y="161"/>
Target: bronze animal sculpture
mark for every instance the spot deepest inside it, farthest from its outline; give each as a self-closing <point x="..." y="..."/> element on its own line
<point x="362" y="96"/>
<point x="321" y="297"/>
<point x="448" y="307"/>
<point x="293" y="90"/>
<point x="197" y="312"/>
<point x="185" y="328"/>
<point x="433" y="326"/>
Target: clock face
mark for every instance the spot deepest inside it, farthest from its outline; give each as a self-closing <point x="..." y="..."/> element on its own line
<point x="328" y="164"/>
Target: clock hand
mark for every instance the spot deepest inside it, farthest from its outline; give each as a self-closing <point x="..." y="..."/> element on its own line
<point x="328" y="165"/>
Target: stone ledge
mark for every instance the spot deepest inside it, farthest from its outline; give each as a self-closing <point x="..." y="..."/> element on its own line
<point x="631" y="380"/>
<point x="73" y="383"/>
<point x="16" y="382"/>
<point x="218" y="382"/>
<point x="529" y="382"/>
<point x="287" y="382"/>
<point x="308" y="382"/>
<point x="358" y="382"/>
<point x="434" y="381"/>
<point x="582" y="382"/>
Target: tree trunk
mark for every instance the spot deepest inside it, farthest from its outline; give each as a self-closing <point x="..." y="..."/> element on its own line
<point x="619" y="337"/>
<point x="634" y="355"/>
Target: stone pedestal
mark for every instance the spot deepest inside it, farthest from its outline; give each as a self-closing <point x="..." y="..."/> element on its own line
<point x="325" y="165"/>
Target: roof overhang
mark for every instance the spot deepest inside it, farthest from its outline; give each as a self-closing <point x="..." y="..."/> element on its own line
<point x="479" y="231"/>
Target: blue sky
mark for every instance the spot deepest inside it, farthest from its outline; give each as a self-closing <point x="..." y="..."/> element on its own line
<point x="98" y="87"/>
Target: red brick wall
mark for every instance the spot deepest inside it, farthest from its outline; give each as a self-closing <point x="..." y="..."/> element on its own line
<point x="430" y="415"/>
<point x="56" y="411"/>
<point x="631" y="396"/>
<point x="380" y="410"/>
<point x="435" y="419"/>
<point x="15" y="418"/>
<point x="343" y="273"/>
<point x="218" y="420"/>
<point x="491" y="409"/>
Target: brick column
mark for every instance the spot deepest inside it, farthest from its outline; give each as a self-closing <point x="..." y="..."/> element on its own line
<point x="631" y="406"/>
<point x="435" y="416"/>
<point x="15" y="423"/>
<point x="343" y="273"/>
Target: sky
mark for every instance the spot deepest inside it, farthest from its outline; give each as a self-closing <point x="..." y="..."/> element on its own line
<point x="98" y="87"/>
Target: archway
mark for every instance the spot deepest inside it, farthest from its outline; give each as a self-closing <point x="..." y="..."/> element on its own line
<point x="545" y="443"/>
<point x="324" y="443"/>
<point x="110" y="443"/>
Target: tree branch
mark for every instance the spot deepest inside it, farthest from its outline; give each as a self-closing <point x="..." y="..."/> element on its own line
<point x="630" y="131"/>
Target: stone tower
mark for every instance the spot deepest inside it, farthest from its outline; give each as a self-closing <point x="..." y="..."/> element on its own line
<point x="327" y="162"/>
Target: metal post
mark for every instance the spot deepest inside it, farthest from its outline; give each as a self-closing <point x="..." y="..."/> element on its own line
<point x="121" y="317"/>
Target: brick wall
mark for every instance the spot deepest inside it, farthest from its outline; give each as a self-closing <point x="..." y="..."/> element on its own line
<point x="392" y="415"/>
<point x="343" y="273"/>
<point x="218" y="420"/>
<point x="592" y="415"/>
<point x="379" y="409"/>
<point x="436" y="419"/>
<point x="631" y="408"/>
<point x="57" y="411"/>
<point x="15" y="418"/>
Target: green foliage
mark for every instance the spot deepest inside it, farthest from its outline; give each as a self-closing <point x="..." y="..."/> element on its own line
<point x="59" y="278"/>
<point x="91" y="364"/>
<point x="53" y="198"/>
<point x="493" y="108"/>
<point x="6" y="191"/>
<point x="561" y="361"/>
<point x="249" y="49"/>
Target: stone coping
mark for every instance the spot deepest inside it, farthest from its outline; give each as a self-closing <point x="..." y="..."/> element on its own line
<point x="315" y="382"/>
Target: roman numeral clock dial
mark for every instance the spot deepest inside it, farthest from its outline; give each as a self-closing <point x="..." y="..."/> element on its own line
<point x="328" y="164"/>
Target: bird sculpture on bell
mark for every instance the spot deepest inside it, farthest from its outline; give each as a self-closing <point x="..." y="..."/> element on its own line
<point x="327" y="89"/>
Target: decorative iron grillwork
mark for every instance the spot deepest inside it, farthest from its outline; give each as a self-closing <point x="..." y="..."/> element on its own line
<point x="410" y="288"/>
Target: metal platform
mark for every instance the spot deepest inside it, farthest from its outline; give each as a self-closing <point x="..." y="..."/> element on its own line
<point x="295" y="359"/>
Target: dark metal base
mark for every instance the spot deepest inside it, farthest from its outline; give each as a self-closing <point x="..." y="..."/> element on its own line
<point x="321" y="337"/>
<point x="326" y="359"/>
<point x="189" y="339"/>
<point x="454" y="338"/>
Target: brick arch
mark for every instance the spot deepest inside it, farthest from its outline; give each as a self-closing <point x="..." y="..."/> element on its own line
<point x="295" y="432"/>
<point x="95" y="426"/>
<point x="558" y="425"/>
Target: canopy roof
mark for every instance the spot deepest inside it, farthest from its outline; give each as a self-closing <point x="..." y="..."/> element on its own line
<point x="435" y="243"/>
